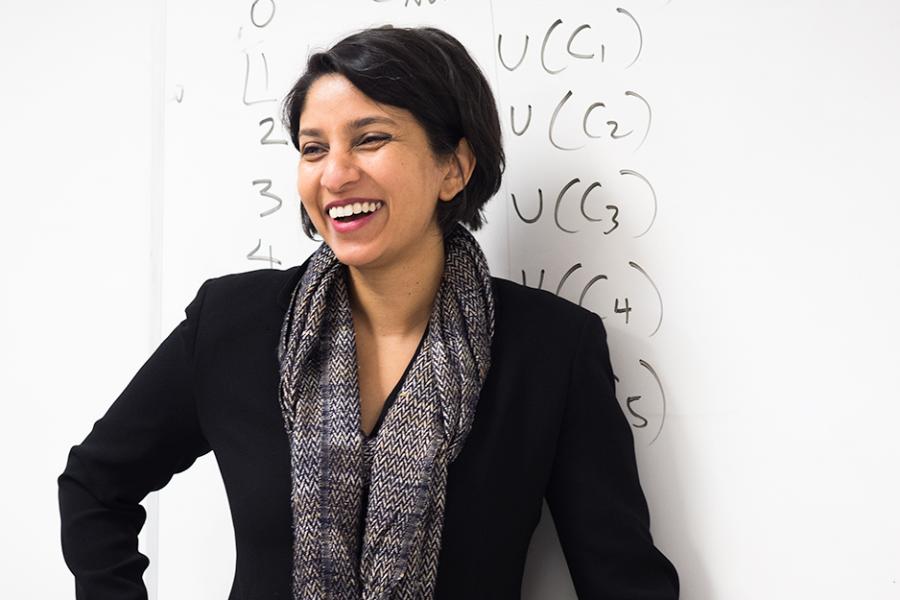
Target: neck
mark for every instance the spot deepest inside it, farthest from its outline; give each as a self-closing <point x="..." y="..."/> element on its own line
<point x="396" y="300"/>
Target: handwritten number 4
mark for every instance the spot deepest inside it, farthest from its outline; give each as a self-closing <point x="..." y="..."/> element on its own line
<point x="626" y="309"/>
<point x="252" y="255"/>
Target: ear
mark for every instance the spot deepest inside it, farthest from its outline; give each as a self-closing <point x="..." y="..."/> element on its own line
<point x="460" y="167"/>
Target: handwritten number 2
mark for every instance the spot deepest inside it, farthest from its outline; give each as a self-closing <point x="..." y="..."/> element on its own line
<point x="265" y="139"/>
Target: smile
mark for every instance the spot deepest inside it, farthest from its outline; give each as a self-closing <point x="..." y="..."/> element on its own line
<point x="351" y="217"/>
<point x="350" y="212"/>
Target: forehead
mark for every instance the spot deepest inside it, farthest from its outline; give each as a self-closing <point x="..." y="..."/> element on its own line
<point x="332" y="102"/>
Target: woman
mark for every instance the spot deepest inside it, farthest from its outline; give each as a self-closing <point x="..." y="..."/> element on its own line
<point x="387" y="416"/>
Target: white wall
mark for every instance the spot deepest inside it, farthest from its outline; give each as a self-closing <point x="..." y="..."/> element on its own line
<point x="79" y="308"/>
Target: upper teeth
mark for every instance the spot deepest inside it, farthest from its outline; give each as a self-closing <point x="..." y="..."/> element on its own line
<point x="354" y="209"/>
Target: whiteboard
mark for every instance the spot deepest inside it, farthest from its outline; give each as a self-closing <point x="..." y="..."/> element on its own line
<point x="80" y="132"/>
<point x="712" y="178"/>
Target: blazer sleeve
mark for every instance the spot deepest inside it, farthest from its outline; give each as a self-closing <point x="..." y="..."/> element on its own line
<point x="594" y="494"/>
<point x="149" y="433"/>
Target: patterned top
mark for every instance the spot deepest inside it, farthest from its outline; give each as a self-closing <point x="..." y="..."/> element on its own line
<point x="369" y="441"/>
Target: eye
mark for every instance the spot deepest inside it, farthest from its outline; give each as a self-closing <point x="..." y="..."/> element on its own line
<point x="310" y="149"/>
<point x="374" y="138"/>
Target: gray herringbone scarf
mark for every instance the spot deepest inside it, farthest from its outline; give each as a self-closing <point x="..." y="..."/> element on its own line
<point x="423" y="431"/>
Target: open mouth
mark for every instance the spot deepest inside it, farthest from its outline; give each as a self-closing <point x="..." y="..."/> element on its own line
<point x="345" y="220"/>
<point x="346" y="213"/>
<point x="352" y="217"/>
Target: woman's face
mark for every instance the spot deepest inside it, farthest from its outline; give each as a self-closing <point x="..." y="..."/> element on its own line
<point x="352" y="148"/>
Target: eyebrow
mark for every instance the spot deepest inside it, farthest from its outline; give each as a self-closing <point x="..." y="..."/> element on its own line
<point x="352" y="125"/>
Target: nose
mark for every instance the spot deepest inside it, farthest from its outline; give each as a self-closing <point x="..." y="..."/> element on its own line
<point x="339" y="171"/>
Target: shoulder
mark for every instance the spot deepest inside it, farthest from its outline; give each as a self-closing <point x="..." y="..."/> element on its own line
<point x="519" y="310"/>
<point x="257" y="292"/>
<point x="250" y="281"/>
<point x="241" y="310"/>
<point x="526" y="303"/>
<point x="538" y="315"/>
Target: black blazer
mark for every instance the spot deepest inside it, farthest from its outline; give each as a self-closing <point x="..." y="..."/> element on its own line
<point x="547" y="425"/>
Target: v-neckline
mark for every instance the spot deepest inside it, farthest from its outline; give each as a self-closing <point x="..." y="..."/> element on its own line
<point x="394" y="392"/>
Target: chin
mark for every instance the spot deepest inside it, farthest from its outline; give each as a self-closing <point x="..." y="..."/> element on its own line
<point x="355" y="257"/>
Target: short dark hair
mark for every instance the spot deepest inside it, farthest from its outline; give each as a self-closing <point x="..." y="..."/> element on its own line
<point x="428" y="72"/>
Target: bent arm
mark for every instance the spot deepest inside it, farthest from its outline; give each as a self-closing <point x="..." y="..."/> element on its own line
<point x="594" y="493"/>
<point x="149" y="433"/>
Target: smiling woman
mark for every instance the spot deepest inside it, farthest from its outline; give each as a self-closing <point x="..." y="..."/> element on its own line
<point x="384" y="424"/>
<point x="427" y="75"/>
<point x="355" y="151"/>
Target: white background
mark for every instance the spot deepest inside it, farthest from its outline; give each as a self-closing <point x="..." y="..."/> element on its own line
<point x="773" y="155"/>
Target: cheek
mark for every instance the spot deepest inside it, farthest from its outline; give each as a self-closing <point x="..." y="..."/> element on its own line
<point x="406" y="174"/>
<point x="306" y="185"/>
<point x="303" y="176"/>
<point x="307" y="189"/>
